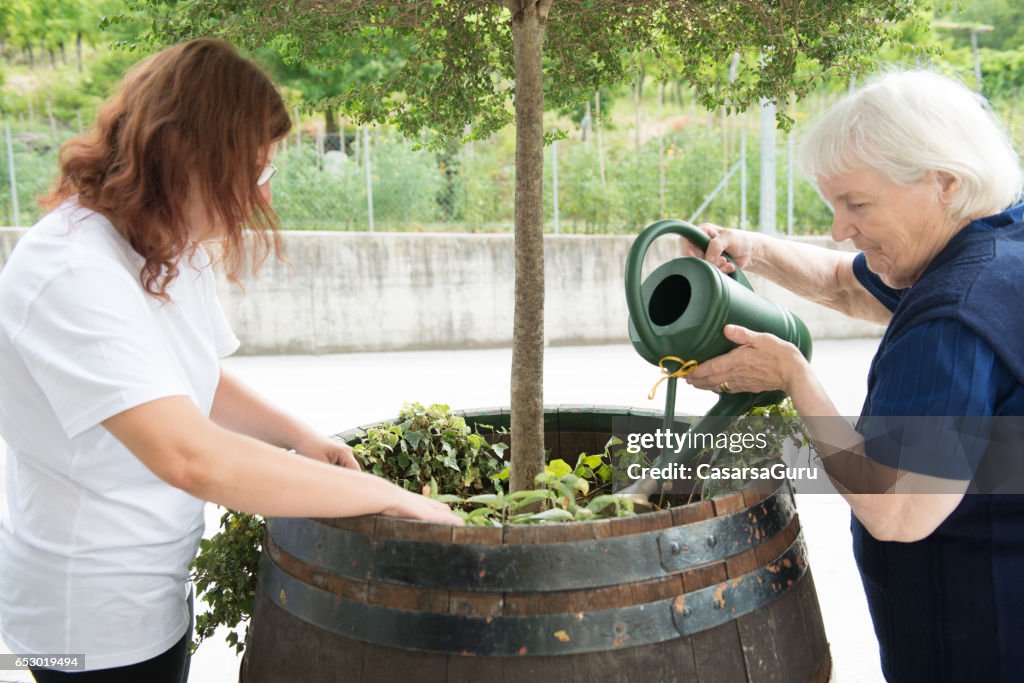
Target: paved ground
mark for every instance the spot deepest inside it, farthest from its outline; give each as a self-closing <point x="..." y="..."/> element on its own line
<point x="336" y="392"/>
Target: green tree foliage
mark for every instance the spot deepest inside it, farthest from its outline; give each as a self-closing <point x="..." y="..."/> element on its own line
<point x="1003" y="73"/>
<point x="448" y="64"/>
<point x="1001" y="43"/>
<point x="52" y="27"/>
<point x="318" y="81"/>
<point x="1006" y="17"/>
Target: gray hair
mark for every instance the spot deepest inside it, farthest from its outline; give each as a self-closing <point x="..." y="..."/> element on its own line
<point x="907" y="124"/>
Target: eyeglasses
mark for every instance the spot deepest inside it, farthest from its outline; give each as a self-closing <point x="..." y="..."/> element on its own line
<point x="268" y="172"/>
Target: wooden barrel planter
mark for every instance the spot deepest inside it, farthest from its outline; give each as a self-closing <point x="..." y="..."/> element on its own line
<point x="715" y="591"/>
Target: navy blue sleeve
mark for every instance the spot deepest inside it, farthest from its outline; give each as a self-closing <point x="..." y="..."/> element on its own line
<point x="933" y="395"/>
<point x="887" y="295"/>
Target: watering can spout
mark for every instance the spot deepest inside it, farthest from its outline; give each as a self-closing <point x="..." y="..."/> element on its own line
<point x="676" y="315"/>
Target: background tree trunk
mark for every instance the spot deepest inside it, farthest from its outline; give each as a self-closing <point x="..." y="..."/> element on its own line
<point x="528" y="17"/>
<point x="332" y="140"/>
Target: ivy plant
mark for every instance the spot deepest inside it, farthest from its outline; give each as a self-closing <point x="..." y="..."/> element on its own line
<point x="780" y="425"/>
<point x="224" y="574"/>
<point x="431" y="444"/>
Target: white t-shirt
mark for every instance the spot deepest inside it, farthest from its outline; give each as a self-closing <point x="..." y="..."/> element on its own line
<point x="94" y="548"/>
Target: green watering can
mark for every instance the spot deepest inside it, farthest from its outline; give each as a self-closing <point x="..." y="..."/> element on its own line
<point x="677" y="314"/>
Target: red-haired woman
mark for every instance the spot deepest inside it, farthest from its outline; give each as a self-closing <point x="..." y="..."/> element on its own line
<point x="118" y="418"/>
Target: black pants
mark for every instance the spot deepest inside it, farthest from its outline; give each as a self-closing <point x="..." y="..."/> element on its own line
<point x="169" y="667"/>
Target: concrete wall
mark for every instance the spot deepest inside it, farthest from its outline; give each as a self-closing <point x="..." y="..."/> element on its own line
<point x="392" y="291"/>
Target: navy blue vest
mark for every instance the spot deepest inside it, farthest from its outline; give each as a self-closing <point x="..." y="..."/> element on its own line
<point x="950" y="608"/>
<point x="977" y="279"/>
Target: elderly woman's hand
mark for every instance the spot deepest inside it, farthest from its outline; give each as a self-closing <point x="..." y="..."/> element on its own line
<point x="737" y="243"/>
<point x="762" y="362"/>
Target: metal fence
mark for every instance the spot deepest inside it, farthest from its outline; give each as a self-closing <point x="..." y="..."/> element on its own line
<point x="372" y="179"/>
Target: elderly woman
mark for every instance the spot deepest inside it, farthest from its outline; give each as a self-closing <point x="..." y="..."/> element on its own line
<point x="926" y="185"/>
<point x="118" y="418"/>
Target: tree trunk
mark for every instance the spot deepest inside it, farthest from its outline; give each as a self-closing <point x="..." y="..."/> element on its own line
<point x="638" y="95"/>
<point x="331" y="142"/>
<point x="636" y="112"/>
<point x="528" y="19"/>
<point x="597" y="134"/>
<point x="53" y="124"/>
<point x="661" y="151"/>
<point x="587" y="122"/>
<point x="766" y="216"/>
<point x="78" y="50"/>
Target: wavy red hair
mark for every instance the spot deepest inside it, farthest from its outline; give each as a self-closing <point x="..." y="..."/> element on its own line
<point x="196" y="117"/>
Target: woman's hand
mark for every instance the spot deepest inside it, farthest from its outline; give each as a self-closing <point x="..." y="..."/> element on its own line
<point x="737" y="243"/>
<point x="414" y="506"/>
<point x="762" y="362"/>
<point x="406" y="503"/>
<point x="324" y="449"/>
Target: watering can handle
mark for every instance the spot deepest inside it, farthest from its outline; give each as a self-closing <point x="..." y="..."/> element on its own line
<point x="687" y="230"/>
<point x="635" y="261"/>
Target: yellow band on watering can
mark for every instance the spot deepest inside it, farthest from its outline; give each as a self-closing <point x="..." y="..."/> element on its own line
<point x="685" y="368"/>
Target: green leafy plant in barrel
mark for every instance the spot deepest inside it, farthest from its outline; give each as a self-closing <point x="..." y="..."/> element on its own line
<point x="779" y="423"/>
<point x="224" y="573"/>
<point x="565" y="494"/>
<point x="431" y="444"/>
<point x="436" y="452"/>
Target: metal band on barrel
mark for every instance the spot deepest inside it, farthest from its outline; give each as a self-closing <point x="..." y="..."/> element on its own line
<point x="541" y="634"/>
<point x="531" y="567"/>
